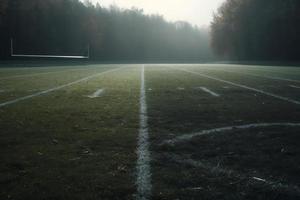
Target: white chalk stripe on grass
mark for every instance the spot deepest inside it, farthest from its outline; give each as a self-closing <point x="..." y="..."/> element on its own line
<point x="41" y="73"/>
<point x="209" y="91"/>
<point x="226" y="87"/>
<point x="254" y="68"/>
<point x="281" y="79"/>
<point x="54" y="89"/>
<point x="273" y="70"/>
<point x="294" y="86"/>
<point x="218" y="170"/>
<point x="187" y="137"/>
<point x="96" y="94"/>
<point x="243" y="86"/>
<point x="256" y="75"/>
<point x="143" y="180"/>
<point x="26" y="75"/>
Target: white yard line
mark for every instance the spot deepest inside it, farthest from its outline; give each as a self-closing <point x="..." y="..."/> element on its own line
<point x="54" y="89"/>
<point x="256" y="75"/>
<point x="96" y="94"/>
<point x="143" y="181"/>
<point x="242" y="86"/>
<point x="209" y="91"/>
<point x="187" y="137"/>
<point x="294" y="86"/>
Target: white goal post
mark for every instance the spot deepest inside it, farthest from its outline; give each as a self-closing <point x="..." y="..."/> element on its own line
<point x="13" y="54"/>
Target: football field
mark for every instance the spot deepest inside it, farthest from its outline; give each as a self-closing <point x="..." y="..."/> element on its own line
<point x="149" y="131"/>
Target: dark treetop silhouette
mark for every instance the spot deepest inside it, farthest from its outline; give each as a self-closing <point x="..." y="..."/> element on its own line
<point x="257" y="30"/>
<point x="67" y="26"/>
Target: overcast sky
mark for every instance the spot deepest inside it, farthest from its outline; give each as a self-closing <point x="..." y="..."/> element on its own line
<point x="197" y="12"/>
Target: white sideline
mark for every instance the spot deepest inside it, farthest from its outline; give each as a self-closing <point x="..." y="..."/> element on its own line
<point x="209" y="91"/>
<point x="260" y="68"/>
<point x="242" y="86"/>
<point x="36" y="74"/>
<point x="256" y="75"/>
<point x="294" y="86"/>
<point x="143" y="181"/>
<point x="276" y="71"/>
<point x="188" y="137"/>
<point x="54" y="89"/>
<point x="96" y="94"/>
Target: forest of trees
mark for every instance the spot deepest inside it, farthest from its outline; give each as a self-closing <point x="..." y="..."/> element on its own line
<point x="67" y="27"/>
<point x="257" y="30"/>
<point x="241" y="30"/>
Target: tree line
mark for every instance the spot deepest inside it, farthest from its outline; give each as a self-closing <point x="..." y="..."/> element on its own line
<point x="257" y="30"/>
<point x="241" y="30"/>
<point x="68" y="27"/>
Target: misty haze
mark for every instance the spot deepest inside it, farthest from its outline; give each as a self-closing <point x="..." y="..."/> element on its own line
<point x="149" y="100"/>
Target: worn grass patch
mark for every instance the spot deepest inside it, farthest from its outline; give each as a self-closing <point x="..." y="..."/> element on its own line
<point x="64" y="145"/>
<point x="176" y="112"/>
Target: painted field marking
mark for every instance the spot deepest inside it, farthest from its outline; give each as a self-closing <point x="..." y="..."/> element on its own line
<point x="259" y="68"/>
<point x="143" y="181"/>
<point x="226" y="87"/>
<point x="54" y="89"/>
<point x="217" y="170"/>
<point x="96" y="94"/>
<point x="256" y="75"/>
<point x="276" y="71"/>
<point x="294" y="86"/>
<point x="209" y="91"/>
<point x="187" y="137"/>
<point x="41" y="73"/>
<point x="242" y="86"/>
<point x="180" y="88"/>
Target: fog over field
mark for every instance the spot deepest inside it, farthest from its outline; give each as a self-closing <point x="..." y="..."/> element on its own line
<point x="149" y="99"/>
<point x="197" y="12"/>
<point x="152" y="31"/>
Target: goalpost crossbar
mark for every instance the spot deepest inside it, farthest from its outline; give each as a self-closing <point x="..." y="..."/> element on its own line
<point x="12" y="54"/>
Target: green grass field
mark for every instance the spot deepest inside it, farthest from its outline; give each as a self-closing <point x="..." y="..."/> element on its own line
<point x="58" y="143"/>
